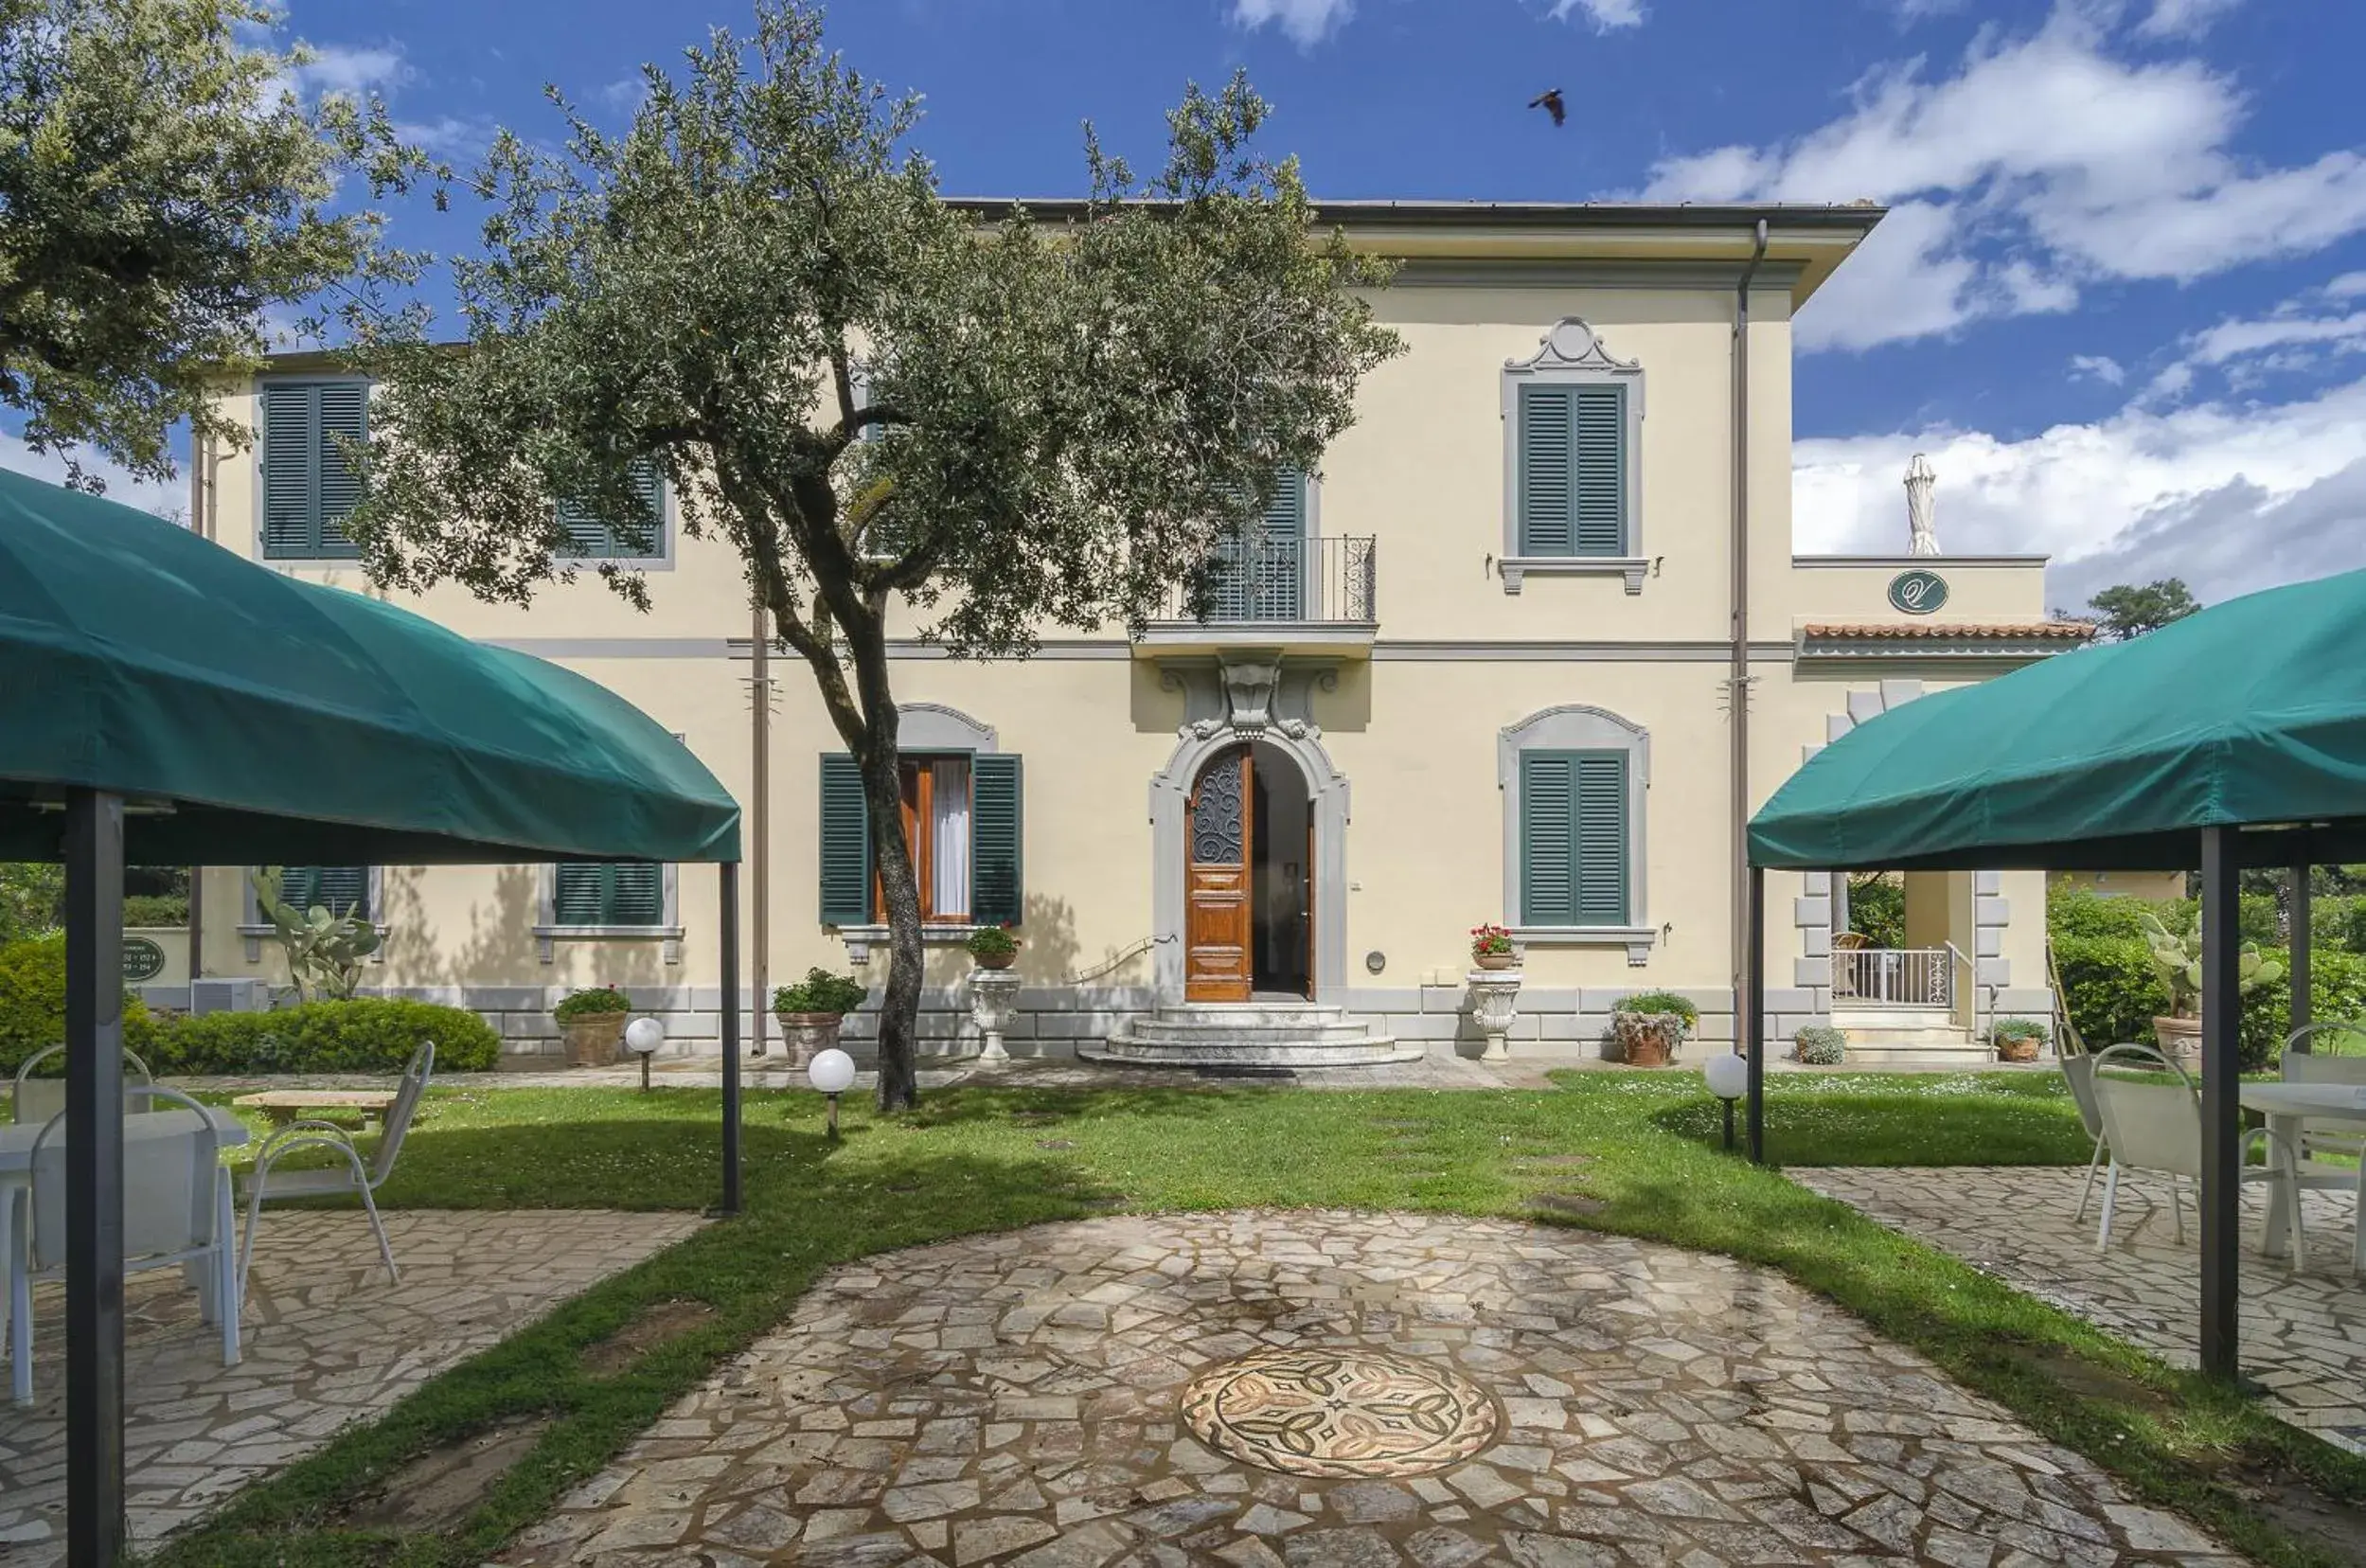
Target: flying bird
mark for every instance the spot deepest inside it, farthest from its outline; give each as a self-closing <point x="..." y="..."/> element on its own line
<point x="1550" y="103"/>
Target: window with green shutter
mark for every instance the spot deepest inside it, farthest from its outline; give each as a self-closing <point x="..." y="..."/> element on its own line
<point x="964" y="820"/>
<point x="1574" y="838"/>
<point x="1573" y="462"/>
<point x="639" y="538"/>
<point x="845" y="844"/>
<point x="997" y="823"/>
<point x="608" y="893"/>
<point x="309" y="488"/>
<point x="336" y="888"/>
<point x="1261" y="575"/>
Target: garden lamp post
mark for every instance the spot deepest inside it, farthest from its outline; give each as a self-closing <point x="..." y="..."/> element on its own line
<point x="643" y="1037"/>
<point x="831" y="1073"/>
<point x="1727" y="1076"/>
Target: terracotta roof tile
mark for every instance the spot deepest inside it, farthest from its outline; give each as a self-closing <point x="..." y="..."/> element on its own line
<point x="1903" y="630"/>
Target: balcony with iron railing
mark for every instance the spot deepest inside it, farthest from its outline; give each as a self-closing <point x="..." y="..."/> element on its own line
<point x="1297" y="594"/>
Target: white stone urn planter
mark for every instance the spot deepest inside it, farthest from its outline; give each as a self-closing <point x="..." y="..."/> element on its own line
<point x="2179" y="1038"/>
<point x="807" y="1035"/>
<point x="1495" y="1007"/>
<point x="993" y="1002"/>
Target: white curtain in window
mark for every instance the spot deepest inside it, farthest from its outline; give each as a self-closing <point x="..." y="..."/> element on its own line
<point x="949" y="790"/>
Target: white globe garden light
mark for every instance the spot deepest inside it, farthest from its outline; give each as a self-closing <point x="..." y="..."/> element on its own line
<point x="1727" y="1076"/>
<point x="643" y="1037"/>
<point x="831" y="1073"/>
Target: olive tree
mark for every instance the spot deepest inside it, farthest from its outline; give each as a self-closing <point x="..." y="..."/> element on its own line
<point x="161" y="185"/>
<point x="897" y="410"/>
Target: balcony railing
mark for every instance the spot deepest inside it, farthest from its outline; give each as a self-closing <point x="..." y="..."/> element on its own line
<point x="1334" y="579"/>
<point x="1893" y="977"/>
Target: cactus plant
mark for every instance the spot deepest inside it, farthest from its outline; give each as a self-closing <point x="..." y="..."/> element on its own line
<point x="2176" y="959"/>
<point x="324" y="947"/>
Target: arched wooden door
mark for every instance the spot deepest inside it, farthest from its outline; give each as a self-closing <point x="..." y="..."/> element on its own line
<point x="1217" y="913"/>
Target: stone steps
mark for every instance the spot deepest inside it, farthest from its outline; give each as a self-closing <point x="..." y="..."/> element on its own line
<point x="1249" y="1034"/>
<point x="1908" y="1036"/>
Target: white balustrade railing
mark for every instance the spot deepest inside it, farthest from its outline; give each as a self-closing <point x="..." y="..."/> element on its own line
<point x="1893" y="977"/>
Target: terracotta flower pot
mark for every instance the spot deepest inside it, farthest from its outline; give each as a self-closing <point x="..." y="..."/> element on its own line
<point x="805" y="1035"/>
<point x="1646" y="1040"/>
<point x="2017" y="1047"/>
<point x="2179" y="1038"/>
<point x="1495" y="960"/>
<point x="996" y="961"/>
<point x="594" y="1040"/>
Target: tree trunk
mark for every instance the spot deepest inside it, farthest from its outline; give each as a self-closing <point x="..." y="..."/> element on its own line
<point x="900" y="891"/>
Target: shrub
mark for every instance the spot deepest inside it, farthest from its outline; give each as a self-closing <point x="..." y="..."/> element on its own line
<point x="1877" y="909"/>
<point x="1822" y="1045"/>
<point x="2337" y="990"/>
<point x="2018" y="1028"/>
<point x="156" y="909"/>
<point x="599" y="999"/>
<point x="32" y="1003"/>
<point x="2083" y="912"/>
<point x="819" y="992"/>
<point x="1661" y="1002"/>
<point x="2110" y="987"/>
<point x="992" y="942"/>
<point x="368" y="1034"/>
<point x="2350" y="917"/>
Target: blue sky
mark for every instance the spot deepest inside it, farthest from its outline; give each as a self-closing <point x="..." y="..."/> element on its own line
<point x="2120" y="301"/>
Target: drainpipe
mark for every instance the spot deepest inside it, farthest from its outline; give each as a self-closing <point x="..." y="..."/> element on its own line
<point x="1738" y="681"/>
<point x="199" y="447"/>
<point x="760" y="814"/>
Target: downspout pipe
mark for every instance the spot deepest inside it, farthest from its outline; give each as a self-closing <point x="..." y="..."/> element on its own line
<point x="1737" y="685"/>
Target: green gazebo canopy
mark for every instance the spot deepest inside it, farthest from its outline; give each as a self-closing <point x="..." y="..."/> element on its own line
<point x="252" y="718"/>
<point x="2250" y="714"/>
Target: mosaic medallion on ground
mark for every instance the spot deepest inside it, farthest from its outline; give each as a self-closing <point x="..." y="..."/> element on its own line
<point x="1322" y="1412"/>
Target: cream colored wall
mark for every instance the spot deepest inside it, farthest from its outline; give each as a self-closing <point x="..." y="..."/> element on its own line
<point x="1824" y="591"/>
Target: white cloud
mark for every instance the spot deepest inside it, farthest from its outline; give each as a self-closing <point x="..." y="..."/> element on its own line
<point x="2042" y="163"/>
<point x="354" y="70"/>
<point x="2103" y="367"/>
<point x="2232" y="339"/>
<point x="448" y="135"/>
<point x="166" y="498"/>
<point x="2347" y="285"/>
<point x="2183" y="18"/>
<point x="2230" y="497"/>
<point x="1911" y="11"/>
<point x="1604" y="14"/>
<point x="1306" y="21"/>
<point x="626" y="95"/>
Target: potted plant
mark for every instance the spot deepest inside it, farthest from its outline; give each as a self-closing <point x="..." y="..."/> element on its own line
<point x="2176" y="959"/>
<point x="1492" y="946"/>
<point x="813" y="1011"/>
<point x="593" y="1021"/>
<point x="1821" y="1045"/>
<point x="2018" y="1039"/>
<point x="993" y="946"/>
<point x="1650" y="1026"/>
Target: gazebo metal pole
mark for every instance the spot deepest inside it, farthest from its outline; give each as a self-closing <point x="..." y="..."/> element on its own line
<point x="2303" y="934"/>
<point x="94" y="1179"/>
<point x="2222" y="1137"/>
<point x="730" y="1015"/>
<point x="1753" y="1019"/>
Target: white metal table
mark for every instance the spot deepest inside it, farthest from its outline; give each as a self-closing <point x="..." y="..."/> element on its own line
<point x="16" y="1185"/>
<point x="2286" y="1106"/>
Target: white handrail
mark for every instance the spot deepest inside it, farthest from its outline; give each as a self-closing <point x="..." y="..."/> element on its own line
<point x="1965" y="1006"/>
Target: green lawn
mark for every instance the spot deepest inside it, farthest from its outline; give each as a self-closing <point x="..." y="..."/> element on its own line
<point x="978" y="1160"/>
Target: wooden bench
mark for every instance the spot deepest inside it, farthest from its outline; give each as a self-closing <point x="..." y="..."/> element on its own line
<point x="286" y="1105"/>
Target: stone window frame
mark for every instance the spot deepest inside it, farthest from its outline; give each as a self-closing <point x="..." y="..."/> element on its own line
<point x="1576" y="726"/>
<point x="253" y="928"/>
<point x="1572" y="352"/>
<point x="926" y="728"/>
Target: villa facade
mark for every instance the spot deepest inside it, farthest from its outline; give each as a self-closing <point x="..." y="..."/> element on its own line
<point x="1498" y="661"/>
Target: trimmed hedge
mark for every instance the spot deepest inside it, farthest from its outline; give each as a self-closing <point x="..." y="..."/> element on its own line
<point x="2337" y="990"/>
<point x="369" y="1034"/>
<point x="33" y="1004"/>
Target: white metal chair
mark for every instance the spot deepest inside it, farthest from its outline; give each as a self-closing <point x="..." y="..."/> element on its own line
<point x="37" y="1099"/>
<point x="353" y="1176"/>
<point x="2079" y="1071"/>
<point x="176" y="1211"/>
<point x="2158" y="1127"/>
<point x="2315" y="1055"/>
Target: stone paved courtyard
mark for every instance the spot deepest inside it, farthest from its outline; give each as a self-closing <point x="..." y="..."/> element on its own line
<point x="2303" y="1335"/>
<point x="1320" y="1389"/>
<point x="327" y="1341"/>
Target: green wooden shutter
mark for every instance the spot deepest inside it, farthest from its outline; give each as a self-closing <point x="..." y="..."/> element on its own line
<point x="845" y="844"/>
<point x="335" y="888"/>
<point x="1599" y="445"/>
<point x="291" y="435"/>
<point x="1601" y="836"/>
<point x="1548" y="858"/>
<point x="636" y="894"/>
<point x="1546" y="483"/>
<point x="1277" y="584"/>
<point x="592" y="538"/>
<point x="343" y="411"/>
<point x="997" y="835"/>
<point x="580" y="894"/>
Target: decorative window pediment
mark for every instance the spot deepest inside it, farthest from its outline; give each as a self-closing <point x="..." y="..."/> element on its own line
<point x="1573" y="436"/>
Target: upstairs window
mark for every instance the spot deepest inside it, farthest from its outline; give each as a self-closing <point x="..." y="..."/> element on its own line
<point x="1573" y="470"/>
<point x="638" y="538"/>
<point x="309" y="488"/>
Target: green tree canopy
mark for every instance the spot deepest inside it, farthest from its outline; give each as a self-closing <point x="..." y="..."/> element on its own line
<point x="2131" y="611"/>
<point x="160" y="185"/>
<point x="870" y="393"/>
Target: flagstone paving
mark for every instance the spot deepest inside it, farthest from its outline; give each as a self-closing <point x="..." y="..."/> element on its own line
<point x="1334" y="1390"/>
<point x="2303" y="1335"/>
<point x="328" y="1340"/>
